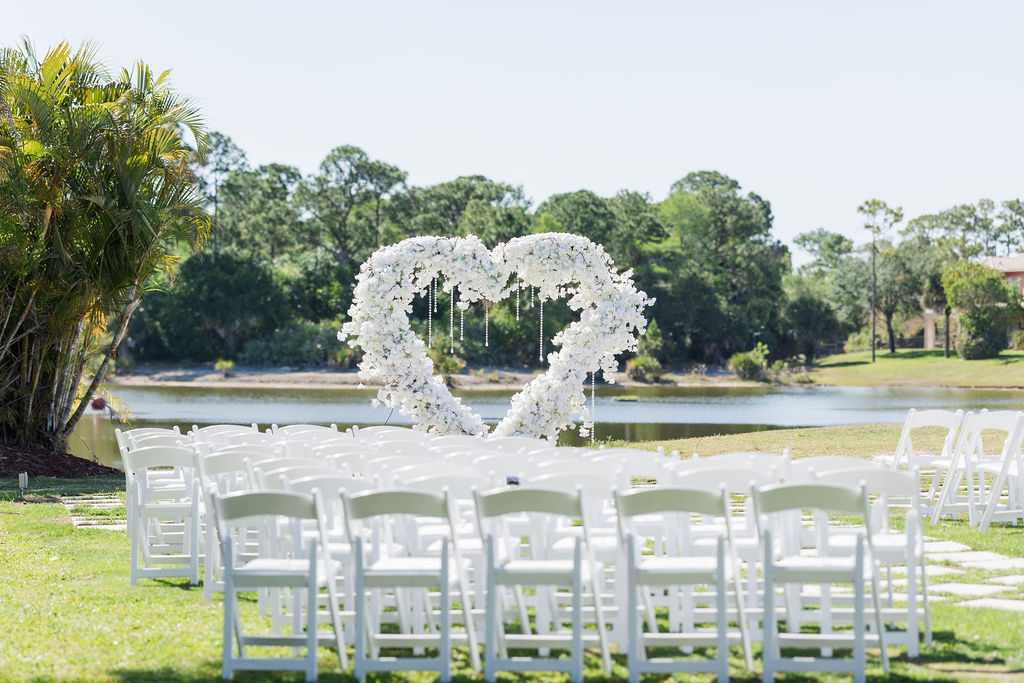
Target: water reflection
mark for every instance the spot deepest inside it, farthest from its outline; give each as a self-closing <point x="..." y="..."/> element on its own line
<point x="649" y="413"/>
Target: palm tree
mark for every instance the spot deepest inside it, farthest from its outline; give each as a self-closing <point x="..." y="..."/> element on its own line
<point x="96" y="191"/>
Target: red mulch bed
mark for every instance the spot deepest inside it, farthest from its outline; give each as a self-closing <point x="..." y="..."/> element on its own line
<point x="38" y="463"/>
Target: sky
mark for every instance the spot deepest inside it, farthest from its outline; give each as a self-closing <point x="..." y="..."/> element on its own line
<point x="815" y="106"/>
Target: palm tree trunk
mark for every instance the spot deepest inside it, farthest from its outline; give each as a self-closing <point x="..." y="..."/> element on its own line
<point x="945" y="342"/>
<point x="122" y="328"/>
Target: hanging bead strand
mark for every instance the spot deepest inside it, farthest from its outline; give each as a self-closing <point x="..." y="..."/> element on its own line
<point x="430" y="314"/>
<point x="593" y="407"/>
<point x="487" y="319"/>
<point x="540" y="353"/>
<point x="462" y="324"/>
<point x="519" y="286"/>
<point x="451" y="324"/>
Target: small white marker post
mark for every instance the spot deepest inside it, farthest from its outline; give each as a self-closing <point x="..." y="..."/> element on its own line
<point x="23" y="482"/>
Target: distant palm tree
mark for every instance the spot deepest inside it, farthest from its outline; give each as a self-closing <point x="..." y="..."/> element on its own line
<point x="96" y="193"/>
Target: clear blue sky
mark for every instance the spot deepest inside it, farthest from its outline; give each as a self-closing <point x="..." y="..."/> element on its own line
<point x="816" y="106"/>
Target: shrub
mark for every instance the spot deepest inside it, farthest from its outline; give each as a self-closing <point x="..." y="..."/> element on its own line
<point x="1018" y="340"/>
<point x="224" y="367"/>
<point x="861" y="340"/>
<point x="750" y="364"/>
<point x="975" y="348"/>
<point x="302" y="343"/>
<point x="643" y="368"/>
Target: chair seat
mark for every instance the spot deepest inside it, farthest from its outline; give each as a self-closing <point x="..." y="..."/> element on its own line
<point x="271" y="572"/>
<point x="669" y="569"/>
<point x="604" y="547"/>
<point x="539" y="572"/>
<point x="814" y="569"/>
<point x="888" y="546"/>
<point x="407" y="571"/>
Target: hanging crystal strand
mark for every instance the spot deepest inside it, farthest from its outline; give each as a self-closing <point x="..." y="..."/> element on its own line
<point x="435" y="295"/>
<point x="540" y="353"/>
<point x="462" y="324"/>
<point x="593" y="407"/>
<point x="430" y="314"/>
<point x="487" y="326"/>
<point x="451" y="325"/>
<point x="519" y="285"/>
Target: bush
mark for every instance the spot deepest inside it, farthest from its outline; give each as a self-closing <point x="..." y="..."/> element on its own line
<point x="1018" y="340"/>
<point x="643" y="368"/>
<point x="302" y="343"/>
<point x="224" y="367"/>
<point x="750" y="364"/>
<point x="976" y="348"/>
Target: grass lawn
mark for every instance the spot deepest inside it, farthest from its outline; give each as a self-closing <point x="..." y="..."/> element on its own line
<point x="916" y="367"/>
<point x="69" y="613"/>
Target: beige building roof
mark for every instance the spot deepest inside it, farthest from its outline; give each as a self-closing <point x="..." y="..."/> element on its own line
<point x="1005" y="264"/>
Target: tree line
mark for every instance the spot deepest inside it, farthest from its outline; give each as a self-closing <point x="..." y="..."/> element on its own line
<point x="277" y="276"/>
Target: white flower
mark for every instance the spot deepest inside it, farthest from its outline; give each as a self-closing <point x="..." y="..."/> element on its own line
<point x="557" y="264"/>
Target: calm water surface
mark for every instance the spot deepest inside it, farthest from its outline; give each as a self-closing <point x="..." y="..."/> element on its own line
<point x="656" y="412"/>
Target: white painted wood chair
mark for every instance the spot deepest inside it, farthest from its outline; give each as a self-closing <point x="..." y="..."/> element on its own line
<point x="514" y="564"/>
<point x="395" y="561"/>
<point x="163" y="512"/>
<point x="676" y="569"/>
<point x="888" y="489"/>
<point x="287" y="561"/>
<point x="788" y="563"/>
<point x="1004" y="476"/>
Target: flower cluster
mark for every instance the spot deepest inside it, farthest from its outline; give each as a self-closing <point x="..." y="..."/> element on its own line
<point x="557" y="264"/>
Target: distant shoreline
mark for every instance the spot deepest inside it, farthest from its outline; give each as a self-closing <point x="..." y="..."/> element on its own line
<point x="483" y="379"/>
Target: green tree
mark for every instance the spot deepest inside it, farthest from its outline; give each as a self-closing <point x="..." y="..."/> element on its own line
<point x="879" y="218"/>
<point x="259" y="216"/>
<point x="1009" y="233"/>
<point x="808" y="319"/>
<point x="96" y="184"/>
<point x="988" y="306"/>
<point x="217" y="306"/>
<point x="901" y="282"/>
<point x="345" y="201"/>
<point x="223" y="157"/>
<point x="827" y="248"/>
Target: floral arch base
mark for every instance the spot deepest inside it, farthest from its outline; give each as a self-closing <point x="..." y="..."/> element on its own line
<point x="557" y="264"/>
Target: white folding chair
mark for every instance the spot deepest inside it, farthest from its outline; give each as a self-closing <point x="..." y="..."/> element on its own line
<point x="804" y="469"/>
<point x="398" y="564"/>
<point x="675" y="568"/>
<point x="513" y="564"/>
<point x="163" y="512"/>
<point x="995" y="478"/>
<point x="789" y="564"/>
<point x="286" y="562"/>
<point x="221" y="473"/>
<point x="961" y="489"/>
<point x="892" y="546"/>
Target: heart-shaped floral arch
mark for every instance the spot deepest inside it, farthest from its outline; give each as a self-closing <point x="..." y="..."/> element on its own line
<point x="557" y="264"/>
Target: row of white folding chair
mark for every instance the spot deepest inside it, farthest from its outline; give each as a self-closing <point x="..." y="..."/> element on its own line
<point x="989" y="443"/>
<point x="163" y="511"/>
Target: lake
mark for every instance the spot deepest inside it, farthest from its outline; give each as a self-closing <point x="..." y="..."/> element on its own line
<point x="647" y="413"/>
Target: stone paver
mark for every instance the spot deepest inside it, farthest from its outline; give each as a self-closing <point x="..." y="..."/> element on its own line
<point x="930" y="570"/>
<point x="995" y="603"/>
<point x="945" y="547"/>
<point x="966" y="589"/>
<point x="997" y="565"/>
<point x="1012" y="580"/>
<point x="965" y="557"/>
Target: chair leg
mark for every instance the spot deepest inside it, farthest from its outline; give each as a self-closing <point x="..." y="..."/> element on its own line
<point x="361" y="608"/>
<point x="768" y="625"/>
<point x="491" y="615"/>
<point x="311" y="610"/>
<point x="722" y="618"/>
<point x="227" y="647"/>
<point x="446" y="632"/>
<point x="577" y="616"/>
<point x="633" y="626"/>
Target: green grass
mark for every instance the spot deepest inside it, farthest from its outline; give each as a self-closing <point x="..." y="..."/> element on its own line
<point x="917" y="367"/>
<point x="69" y="613"/>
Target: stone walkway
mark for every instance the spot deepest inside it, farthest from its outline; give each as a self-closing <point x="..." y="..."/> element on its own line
<point x="95" y="502"/>
<point x="949" y="560"/>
